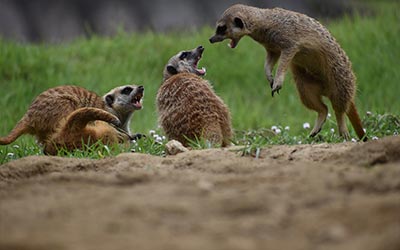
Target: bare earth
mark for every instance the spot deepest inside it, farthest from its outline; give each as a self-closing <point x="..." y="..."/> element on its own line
<point x="326" y="196"/>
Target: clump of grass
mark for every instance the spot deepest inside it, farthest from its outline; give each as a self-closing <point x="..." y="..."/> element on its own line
<point x="153" y="143"/>
<point x="200" y="143"/>
<point x="376" y="126"/>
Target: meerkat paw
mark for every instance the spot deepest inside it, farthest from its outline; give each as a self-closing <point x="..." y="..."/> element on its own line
<point x="275" y="89"/>
<point x="270" y="79"/>
<point x="116" y="122"/>
<point x="314" y="132"/>
<point x="345" y="135"/>
<point x="138" y="136"/>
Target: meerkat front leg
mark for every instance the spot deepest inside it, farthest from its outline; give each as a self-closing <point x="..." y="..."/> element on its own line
<point x="270" y="62"/>
<point x="284" y="62"/>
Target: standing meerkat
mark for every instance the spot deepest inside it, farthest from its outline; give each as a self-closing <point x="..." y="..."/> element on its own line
<point x="66" y="116"/>
<point x="319" y="65"/>
<point x="187" y="105"/>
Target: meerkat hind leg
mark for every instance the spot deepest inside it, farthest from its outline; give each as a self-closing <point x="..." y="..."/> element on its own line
<point x="341" y="122"/>
<point x="310" y="91"/>
<point x="315" y="103"/>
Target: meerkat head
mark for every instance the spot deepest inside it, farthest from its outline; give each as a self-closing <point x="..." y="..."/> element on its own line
<point x="232" y="25"/>
<point x="123" y="100"/>
<point x="185" y="62"/>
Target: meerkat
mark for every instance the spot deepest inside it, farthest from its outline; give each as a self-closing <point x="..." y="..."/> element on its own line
<point x="67" y="116"/>
<point x="319" y="65"/>
<point x="187" y="105"/>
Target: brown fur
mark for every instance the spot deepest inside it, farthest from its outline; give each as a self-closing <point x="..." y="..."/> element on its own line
<point x="188" y="107"/>
<point x="67" y="116"/>
<point x="318" y="63"/>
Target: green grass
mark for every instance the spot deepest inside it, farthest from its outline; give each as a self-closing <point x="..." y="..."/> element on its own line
<point x="99" y="64"/>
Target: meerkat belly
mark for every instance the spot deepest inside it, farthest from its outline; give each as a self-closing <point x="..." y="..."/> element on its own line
<point x="311" y="62"/>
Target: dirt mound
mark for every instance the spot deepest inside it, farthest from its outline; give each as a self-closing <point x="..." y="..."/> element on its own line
<point x="325" y="196"/>
<point x="371" y="153"/>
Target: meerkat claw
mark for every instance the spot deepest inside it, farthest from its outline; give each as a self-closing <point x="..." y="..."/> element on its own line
<point x="276" y="90"/>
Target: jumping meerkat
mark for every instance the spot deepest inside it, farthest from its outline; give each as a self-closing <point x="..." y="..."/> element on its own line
<point x="187" y="105"/>
<point x="319" y="65"/>
<point x="67" y="116"/>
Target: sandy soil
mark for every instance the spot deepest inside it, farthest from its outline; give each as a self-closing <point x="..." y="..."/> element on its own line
<point x="326" y="196"/>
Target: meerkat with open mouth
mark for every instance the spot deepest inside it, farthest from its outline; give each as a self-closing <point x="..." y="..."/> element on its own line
<point x="188" y="107"/>
<point x="319" y="65"/>
<point x="70" y="116"/>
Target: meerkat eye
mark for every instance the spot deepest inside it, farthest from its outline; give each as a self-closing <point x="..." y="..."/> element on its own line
<point x="221" y="30"/>
<point x="183" y="55"/>
<point x="238" y="23"/>
<point x="126" y="90"/>
<point x="172" y="70"/>
<point x="109" y="100"/>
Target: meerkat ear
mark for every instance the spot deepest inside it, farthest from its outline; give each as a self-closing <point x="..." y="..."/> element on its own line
<point x="238" y="22"/>
<point x="172" y="70"/>
<point x="109" y="100"/>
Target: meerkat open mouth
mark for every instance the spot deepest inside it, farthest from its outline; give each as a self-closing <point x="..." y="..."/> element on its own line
<point x="201" y="71"/>
<point x="232" y="44"/>
<point x="137" y="101"/>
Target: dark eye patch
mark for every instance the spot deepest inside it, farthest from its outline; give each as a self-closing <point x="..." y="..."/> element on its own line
<point x="109" y="100"/>
<point x="126" y="90"/>
<point x="184" y="55"/>
<point x="221" y="30"/>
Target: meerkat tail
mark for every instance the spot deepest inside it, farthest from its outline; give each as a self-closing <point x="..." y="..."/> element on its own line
<point x="78" y="119"/>
<point x="17" y="131"/>
<point x="356" y="122"/>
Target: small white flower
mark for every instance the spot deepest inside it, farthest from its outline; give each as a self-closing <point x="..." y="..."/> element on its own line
<point x="306" y="125"/>
<point x="299" y="142"/>
<point x="369" y="113"/>
<point x="158" y="139"/>
<point x="332" y="130"/>
<point x="152" y="132"/>
<point x="287" y="128"/>
<point x="395" y="133"/>
<point x="365" y="130"/>
<point x="329" y="115"/>
<point x="10" y="155"/>
<point x="273" y="128"/>
<point x="375" y="138"/>
<point x="277" y="131"/>
<point x="15" y="146"/>
<point x="353" y="140"/>
<point x="163" y="137"/>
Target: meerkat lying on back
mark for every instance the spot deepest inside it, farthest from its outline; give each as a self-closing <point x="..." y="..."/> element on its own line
<point x="67" y="116"/>
<point x="319" y="65"/>
<point x="187" y="105"/>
